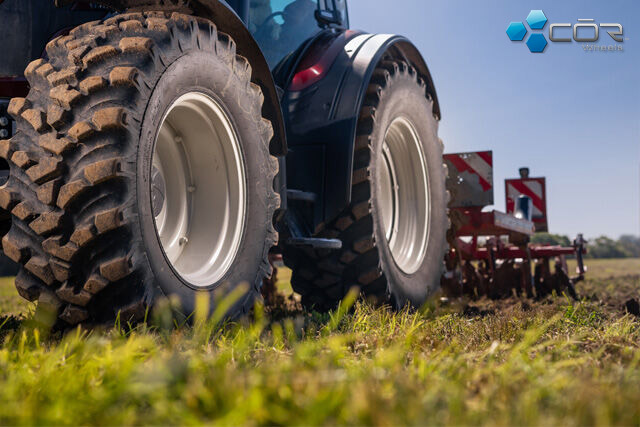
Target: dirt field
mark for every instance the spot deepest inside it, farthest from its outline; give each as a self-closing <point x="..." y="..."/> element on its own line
<point x="513" y="362"/>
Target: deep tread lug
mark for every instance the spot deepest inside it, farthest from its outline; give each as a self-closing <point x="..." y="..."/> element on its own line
<point x="24" y="211"/>
<point x="40" y="268"/>
<point x="116" y="269"/>
<point x="56" y="116"/>
<point x="364" y="245"/>
<point x="68" y="293"/>
<point x="48" y="192"/>
<point x="28" y="287"/>
<point x="13" y="249"/>
<point x="55" y="145"/>
<point x="64" y="76"/>
<point x="95" y="284"/>
<point x="101" y="171"/>
<point x="138" y="45"/>
<point x="65" y="96"/>
<point x="370" y="276"/>
<point x="92" y="84"/>
<point x="82" y="235"/>
<point x="30" y="71"/>
<point x="52" y="246"/>
<point x="70" y="191"/>
<point x="98" y="54"/>
<point x="133" y="312"/>
<point x="123" y="76"/>
<point x="81" y="131"/>
<point x="5" y="149"/>
<point x="17" y="106"/>
<point x="108" y="220"/>
<point x="73" y="314"/>
<point x="46" y="223"/>
<point x="109" y="118"/>
<point x="60" y="270"/>
<point x="35" y="118"/>
<point x="8" y="199"/>
<point x="47" y="169"/>
<point x="22" y="159"/>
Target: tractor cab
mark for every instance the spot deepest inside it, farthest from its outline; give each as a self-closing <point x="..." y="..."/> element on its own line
<point x="281" y="26"/>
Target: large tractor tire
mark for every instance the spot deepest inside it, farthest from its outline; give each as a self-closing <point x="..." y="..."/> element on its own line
<point x="140" y="168"/>
<point x="394" y="231"/>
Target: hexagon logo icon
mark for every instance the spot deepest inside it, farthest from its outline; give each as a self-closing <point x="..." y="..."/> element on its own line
<point x="536" y="43"/>
<point x="536" y="19"/>
<point x="516" y="31"/>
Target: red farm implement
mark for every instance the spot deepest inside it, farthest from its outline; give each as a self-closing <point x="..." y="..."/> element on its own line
<point x="491" y="253"/>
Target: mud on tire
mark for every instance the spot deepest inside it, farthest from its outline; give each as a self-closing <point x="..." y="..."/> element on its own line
<point x="324" y="277"/>
<point x="73" y="191"/>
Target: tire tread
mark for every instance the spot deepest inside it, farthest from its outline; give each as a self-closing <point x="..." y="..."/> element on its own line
<point x="71" y="184"/>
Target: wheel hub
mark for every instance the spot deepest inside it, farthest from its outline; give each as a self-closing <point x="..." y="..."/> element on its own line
<point x="404" y="195"/>
<point x="198" y="189"/>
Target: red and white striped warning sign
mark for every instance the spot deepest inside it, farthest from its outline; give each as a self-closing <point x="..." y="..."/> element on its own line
<point x="471" y="178"/>
<point x="534" y="188"/>
<point x="479" y="163"/>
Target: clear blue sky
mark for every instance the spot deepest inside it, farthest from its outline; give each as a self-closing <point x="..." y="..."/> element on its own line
<point x="569" y="115"/>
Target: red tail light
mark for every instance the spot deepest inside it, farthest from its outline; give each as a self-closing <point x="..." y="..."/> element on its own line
<point x="305" y="78"/>
<point x="318" y="60"/>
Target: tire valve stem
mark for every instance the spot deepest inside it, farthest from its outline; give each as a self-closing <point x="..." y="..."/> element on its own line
<point x="191" y="188"/>
<point x="183" y="241"/>
<point x="177" y="139"/>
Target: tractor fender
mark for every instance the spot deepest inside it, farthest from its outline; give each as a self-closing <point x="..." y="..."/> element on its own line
<point x="227" y="21"/>
<point x="366" y="53"/>
<point x="326" y="115"/>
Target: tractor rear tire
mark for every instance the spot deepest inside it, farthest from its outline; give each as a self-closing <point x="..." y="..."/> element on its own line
<point x="83" y="188"/>
<point x="394" y="231"/>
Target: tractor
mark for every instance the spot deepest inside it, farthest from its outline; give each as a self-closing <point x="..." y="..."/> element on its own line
<point x="170" y="147"/>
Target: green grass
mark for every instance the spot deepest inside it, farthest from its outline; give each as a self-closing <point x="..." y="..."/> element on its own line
<point x="608" y="268"/>
<point x="10" y="302"/>
<point x="512" y="362"/>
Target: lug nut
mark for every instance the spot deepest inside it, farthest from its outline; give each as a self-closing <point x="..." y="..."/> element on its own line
<point x="4" y="133"/>
<point x="3" y="121"/>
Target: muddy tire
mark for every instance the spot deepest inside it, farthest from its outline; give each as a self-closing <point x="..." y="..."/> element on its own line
<point x="393" y="241"/>
<point x="7" y="266"/>
<point x="83" y="165"/>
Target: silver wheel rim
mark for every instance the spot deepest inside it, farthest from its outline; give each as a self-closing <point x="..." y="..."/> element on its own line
<point x="198" y="189"/>
<point x="404" y="195"/>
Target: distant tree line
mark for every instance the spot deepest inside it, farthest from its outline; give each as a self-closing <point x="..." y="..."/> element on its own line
<point x="627" y="246"/>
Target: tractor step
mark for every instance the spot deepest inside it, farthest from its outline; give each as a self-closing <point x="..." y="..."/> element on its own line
<point x="310" y="242"/>
<point x="304" y="196"/>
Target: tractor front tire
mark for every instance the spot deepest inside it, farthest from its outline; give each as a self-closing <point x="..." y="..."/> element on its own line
<point x="117" y="185"/>
<point x="394" y="231"/>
